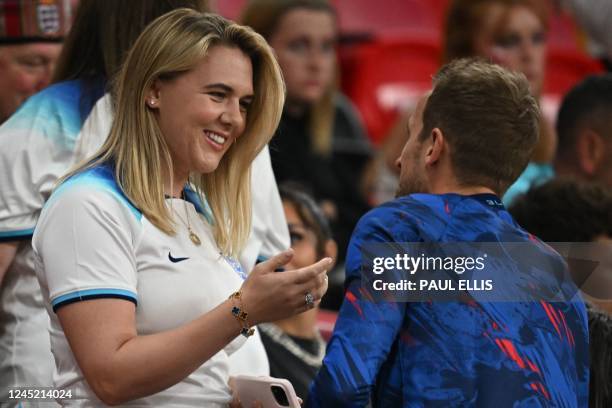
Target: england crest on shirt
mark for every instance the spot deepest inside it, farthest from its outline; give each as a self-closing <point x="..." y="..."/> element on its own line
<point x="48" y="18"/>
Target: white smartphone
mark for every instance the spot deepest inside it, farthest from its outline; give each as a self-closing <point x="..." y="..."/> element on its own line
<point x="269" y="391"/>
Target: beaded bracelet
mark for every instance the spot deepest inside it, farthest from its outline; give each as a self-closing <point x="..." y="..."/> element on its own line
<point x="240" y="315"/>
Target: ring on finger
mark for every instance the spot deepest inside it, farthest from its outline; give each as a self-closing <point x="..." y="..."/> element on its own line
<point x="309" y="299"/>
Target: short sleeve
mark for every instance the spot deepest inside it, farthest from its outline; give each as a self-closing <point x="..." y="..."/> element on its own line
<point x="36" y="148"/>
<point x="85" y="244"/>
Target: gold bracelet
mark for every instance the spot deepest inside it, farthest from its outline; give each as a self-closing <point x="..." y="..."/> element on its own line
<point x="240" y="314"/>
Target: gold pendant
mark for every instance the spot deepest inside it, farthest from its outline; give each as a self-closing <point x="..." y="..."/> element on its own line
<point x="194" y="238"/>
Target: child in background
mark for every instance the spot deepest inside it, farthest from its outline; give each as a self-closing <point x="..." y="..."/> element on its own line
<point x="295" y="347"/>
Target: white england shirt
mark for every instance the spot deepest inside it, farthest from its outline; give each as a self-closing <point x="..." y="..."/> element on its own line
<point x="91" y="243"/>
<point x="52" y="131"/>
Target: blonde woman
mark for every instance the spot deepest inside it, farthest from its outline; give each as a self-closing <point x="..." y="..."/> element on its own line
<point x="145" y="296"/>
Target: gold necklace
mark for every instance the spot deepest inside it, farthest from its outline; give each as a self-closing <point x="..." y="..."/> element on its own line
<point x="192" y="235"/>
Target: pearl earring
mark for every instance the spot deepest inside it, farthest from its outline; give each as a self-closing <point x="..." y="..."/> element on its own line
<point x="152" y="102"/>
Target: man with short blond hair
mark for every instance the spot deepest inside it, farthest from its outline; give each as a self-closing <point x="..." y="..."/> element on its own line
<point x="469" y="139"/>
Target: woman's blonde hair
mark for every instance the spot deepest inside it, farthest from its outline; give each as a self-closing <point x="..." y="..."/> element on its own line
<point x="264" y="17"/>
<point x="170" y="46"/>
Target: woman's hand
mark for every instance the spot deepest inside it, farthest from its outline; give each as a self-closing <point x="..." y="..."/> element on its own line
<point x="235" y="402"/>
<point x="269" y="296"/>
<point x="103" y="337"/>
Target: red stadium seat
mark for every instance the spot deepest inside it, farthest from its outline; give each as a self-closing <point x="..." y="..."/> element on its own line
<point x="565" y="68"/>
<point x="228" y="8"/>
<point x="563" y="32"/>
<point x="365" y="17"/>
<point x="440" y="8"/>
<point x="386" y="76"/>
<point x="566" y="62"/>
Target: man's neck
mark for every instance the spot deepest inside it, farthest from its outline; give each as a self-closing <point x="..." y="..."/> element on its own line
<point x="463" y="190"/>
<point x="449" y="185"/>
<point x="444" y="180"/>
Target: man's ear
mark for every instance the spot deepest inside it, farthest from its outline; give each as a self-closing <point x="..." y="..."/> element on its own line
<point x="153" y="99"/>
<point x="590" y="148"/>
<point x="331" y="250"/>
<point x="436" y="147"/>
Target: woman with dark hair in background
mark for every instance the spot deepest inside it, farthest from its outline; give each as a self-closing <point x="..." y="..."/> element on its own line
<point x="320" y="142"/>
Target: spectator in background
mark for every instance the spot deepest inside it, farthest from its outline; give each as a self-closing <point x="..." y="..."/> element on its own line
<point x="511" y="33"/>
<point x="584" y="126"/>
<point x="295" y="347"/>
<point x="320" y="142"/>
<point x="565" y="210"/>
<point x="31" y="33"/>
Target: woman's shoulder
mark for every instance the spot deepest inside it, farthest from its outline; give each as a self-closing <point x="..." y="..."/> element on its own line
<point x="96" y="186"/>
<point x="89" y="202"/>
